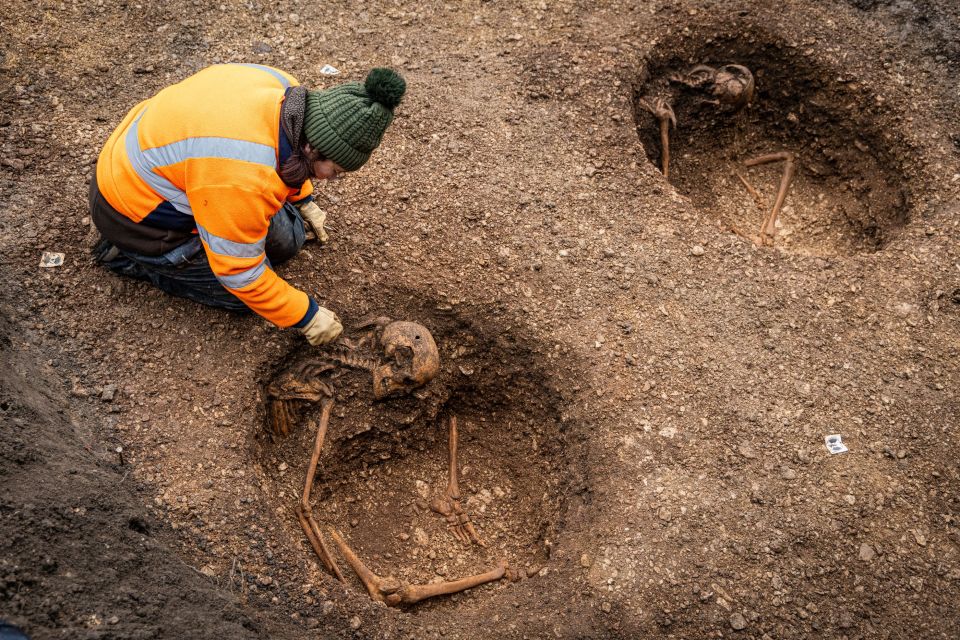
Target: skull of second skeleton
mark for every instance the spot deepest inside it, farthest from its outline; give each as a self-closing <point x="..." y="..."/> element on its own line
<point x="410" y="359"/>
<point x="733" y="85"/>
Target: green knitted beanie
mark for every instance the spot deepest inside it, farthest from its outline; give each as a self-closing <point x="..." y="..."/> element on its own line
<point x="346" y="123"/>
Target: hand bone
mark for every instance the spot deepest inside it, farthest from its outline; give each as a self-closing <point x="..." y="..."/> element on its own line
<point x="299" y="383"/>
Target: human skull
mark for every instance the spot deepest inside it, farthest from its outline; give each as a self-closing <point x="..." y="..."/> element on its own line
<point x="410" y="359"/>
<point x="733" y="85"/>
<point x="700" y="77"/>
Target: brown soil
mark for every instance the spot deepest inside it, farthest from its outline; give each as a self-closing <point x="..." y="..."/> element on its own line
<point x="643" y="394"/>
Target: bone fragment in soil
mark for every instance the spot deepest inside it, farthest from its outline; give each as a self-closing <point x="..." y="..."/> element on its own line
<point x="757" y="197"/>
<point x="663" y="112"/>
<point x="301" y="383"/>
<point x="768" y="229"/>
<point x="396" y="593"/>
<point x="399" y="356"/>
<point x="449" y="504"/>
<point x="304" y="509"/>
<point x="731" y="85"/>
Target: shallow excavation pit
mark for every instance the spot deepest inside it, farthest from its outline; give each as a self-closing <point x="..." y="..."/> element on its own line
<point x="847" y="195"/>
<point x="383" y="462"/>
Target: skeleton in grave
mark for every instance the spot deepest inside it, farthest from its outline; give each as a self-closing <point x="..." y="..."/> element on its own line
<point x="400" y="356"/>
<point x="729" y="88"/>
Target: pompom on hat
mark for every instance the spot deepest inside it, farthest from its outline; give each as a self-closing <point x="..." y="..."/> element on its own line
<point x="345" y="123"/>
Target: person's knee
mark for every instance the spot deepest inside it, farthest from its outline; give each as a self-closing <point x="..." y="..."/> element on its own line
<point x="286" y="235"/>
<point x="107" y="255"/>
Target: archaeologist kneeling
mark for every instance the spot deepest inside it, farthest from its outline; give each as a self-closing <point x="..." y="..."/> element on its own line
<point x="205" y="186"/>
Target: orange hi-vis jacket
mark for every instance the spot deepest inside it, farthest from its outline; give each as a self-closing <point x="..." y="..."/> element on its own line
<point x="207" y="149"/>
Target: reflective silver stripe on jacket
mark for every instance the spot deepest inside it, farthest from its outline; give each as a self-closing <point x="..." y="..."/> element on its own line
<point x="244" y="278"/>
<point x="276" y="74"/>
<point x="226" y="247"/>
<point x="163" y="187"/>
<point x="144" y="161"/>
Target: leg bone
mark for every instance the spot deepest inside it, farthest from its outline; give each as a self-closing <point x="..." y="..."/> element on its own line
<point x="663" y="112"/>
<point x="304" y="510"/>
<point x="769" y="229"/>
<point x="448" y="505"/>
<point x="394" y="593"/>
<point x="757" y="197"/>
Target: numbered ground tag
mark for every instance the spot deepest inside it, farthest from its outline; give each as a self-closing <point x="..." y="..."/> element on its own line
<point x="835" y="444"/>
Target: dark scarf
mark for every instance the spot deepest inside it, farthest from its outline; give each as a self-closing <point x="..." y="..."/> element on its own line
<point x="292" y="114"/>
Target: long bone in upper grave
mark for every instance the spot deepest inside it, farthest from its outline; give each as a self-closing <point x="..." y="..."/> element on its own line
<point x="400" y="356"/>
<point x="730" y="87"/>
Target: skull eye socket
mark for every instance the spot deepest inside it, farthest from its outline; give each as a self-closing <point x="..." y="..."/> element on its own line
<point x="409" y="357"/>
<point x="403" y="356"/>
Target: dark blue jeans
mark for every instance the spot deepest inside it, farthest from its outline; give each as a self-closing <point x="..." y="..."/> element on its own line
<point x="185" y="271"/>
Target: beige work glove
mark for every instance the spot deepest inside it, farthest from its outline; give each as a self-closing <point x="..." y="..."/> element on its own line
<point x="315" y="218"/>
<point x="324" y="327"/>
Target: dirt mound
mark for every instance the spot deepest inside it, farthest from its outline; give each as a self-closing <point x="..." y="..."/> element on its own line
<point x="80" y="557"/>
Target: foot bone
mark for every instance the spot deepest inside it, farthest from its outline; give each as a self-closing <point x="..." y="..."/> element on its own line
<point x="448" y="505"/>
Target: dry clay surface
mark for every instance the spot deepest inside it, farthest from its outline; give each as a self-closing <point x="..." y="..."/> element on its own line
<point x="642" y="393"/>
